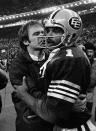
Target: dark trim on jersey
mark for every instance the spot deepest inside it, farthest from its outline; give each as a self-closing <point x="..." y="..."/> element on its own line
<point x="61" y="84"/>
<point x="79" y="129"/>
<point x="86" y="127"/>
<point x="64" y="95"/>
<point x="65" y="91"/>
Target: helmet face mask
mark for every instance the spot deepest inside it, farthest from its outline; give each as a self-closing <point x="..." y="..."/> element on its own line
<point x="54" y="36"/>
<point x="69" y="21"/>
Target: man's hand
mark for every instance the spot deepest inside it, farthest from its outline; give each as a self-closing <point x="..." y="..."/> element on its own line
<point x="21" y="93"/>
<point x="22" y="89"/>
<point x="80" y="104"/>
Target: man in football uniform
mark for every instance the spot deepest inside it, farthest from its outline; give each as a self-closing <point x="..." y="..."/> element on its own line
<point x="65" y="76"/>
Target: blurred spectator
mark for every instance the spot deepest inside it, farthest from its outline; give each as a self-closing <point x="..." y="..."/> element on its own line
<point x="90" y="51"/>
<point x="3" y="79"/>
<point x="2" y="66"/>
<point x="3" y="83"/>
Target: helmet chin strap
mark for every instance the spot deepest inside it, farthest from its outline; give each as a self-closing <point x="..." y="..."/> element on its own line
<point x="68" y="40"/>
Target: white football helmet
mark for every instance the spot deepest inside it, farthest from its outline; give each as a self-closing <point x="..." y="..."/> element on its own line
<point x="69" y="21"/>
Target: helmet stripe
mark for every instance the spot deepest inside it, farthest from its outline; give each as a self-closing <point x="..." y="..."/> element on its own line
<point x="55" y="14"/>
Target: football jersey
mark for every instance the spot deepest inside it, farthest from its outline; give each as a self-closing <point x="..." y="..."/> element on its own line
<point x="66" y="75"/>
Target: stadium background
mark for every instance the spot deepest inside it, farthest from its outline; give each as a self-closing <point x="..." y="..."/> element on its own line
<point x="13" y="13"/>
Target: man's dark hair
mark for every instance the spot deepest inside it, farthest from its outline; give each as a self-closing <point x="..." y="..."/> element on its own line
<point x="23" y="32"/>
<point x="90" y="45"/>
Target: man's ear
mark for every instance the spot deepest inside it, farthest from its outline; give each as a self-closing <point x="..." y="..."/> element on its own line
<point x="26" y="43"/>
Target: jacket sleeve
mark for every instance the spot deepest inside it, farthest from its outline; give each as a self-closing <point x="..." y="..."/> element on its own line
<point x="16" y="72"/>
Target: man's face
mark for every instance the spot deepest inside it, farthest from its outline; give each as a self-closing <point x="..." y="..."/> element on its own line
<point x="53" y="35"/>
<point x="90" y="53"/>
<point x="34" y="34"/>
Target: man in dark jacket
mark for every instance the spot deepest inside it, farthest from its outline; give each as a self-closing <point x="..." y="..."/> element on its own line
<point x="27" y="63"/>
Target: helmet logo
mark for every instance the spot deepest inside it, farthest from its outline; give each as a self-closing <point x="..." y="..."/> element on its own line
<point x="75" y="23"/>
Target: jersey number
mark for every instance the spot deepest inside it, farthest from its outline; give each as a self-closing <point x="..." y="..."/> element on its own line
<point x="69" y="53"/>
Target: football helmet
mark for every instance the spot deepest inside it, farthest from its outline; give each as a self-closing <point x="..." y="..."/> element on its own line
<point x="69" y="21"/>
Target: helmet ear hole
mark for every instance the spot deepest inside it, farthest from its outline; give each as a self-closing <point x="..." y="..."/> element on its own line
<point x="74" y="36"/>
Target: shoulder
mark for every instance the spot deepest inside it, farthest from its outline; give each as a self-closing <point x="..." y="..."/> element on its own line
<point x="21" y="57"/>
<point x="70" y="54"/>
<point x="76" y="52"/>
<point x="17" y="64"/>
<point x="67" y="61"/>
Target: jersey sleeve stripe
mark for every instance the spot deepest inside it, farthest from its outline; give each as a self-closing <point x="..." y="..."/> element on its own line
<point x="62" y="92"/>
<point x="61" y="87"/>
<point x="60" y="96"/>
<point x="65" y="82"/>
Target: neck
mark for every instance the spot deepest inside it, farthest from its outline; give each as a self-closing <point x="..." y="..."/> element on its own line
<point x="35" y="52"/>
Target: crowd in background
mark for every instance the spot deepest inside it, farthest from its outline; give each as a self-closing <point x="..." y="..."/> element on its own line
<point x="88" y="35"/>
<point x="8" y="50"/>
<point x="27" y="5"/>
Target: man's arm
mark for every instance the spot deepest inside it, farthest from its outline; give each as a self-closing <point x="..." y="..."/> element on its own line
<point x="42" y="106"/>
